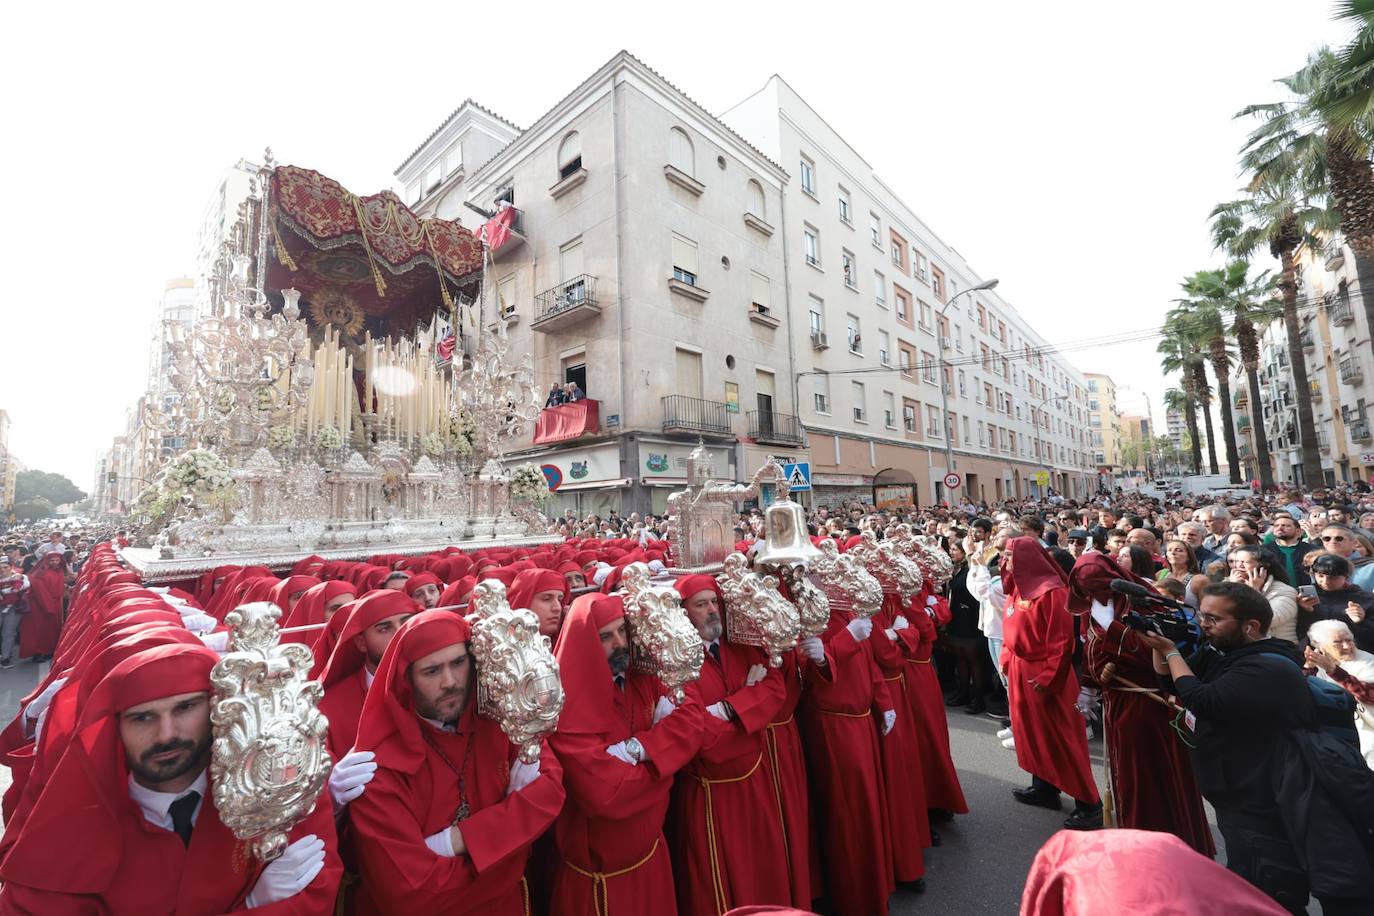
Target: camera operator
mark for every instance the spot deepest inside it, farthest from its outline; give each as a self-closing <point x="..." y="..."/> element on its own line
<point x="1247" y="692"/>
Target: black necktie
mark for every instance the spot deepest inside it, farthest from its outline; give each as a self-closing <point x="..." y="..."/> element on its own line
<point x="715" y="652"/>
<point x="181" y="811"/>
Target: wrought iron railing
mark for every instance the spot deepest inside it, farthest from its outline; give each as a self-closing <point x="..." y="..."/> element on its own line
<point x="1351" y="373"/>
<point x="1359" y="430"/>
<point x="580" y="290"/>
<point x="768" y="426"/>
<point x="683" y="412"/>
<point x="1339" y="311"/>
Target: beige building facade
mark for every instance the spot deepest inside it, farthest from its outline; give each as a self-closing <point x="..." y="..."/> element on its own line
<point x="1104" y="427"/>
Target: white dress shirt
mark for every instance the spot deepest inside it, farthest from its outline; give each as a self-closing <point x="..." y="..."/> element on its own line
<point x="155" y="805"/>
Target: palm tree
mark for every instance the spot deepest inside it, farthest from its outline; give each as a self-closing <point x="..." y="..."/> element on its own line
<point x="1205" y="316"/>
<point x="1181" y="352"/>
<point x="1302" y="139"/>
<point x="1281" y="215"/>
<point x="1246" y="304"/>
<point x="1179" y="401"/>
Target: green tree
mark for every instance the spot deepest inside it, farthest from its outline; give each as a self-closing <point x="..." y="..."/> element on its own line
<point x="55" y="488"/>
<point x="1280" y="214"/>
<point x="1180" y="351"/>
<point x="1302" y="139"/>
<point x="1245" y="304"/>
<point x="1205" y="317"/>
<point x="32" y="510"/>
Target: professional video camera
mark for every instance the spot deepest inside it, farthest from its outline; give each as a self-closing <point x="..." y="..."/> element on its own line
<point x="1155" y="613"/>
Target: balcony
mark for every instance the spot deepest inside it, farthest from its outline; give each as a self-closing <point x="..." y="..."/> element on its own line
<point x="762" y="314"/>
<point x="1244" y="451"/>
<point x="1335" y="255"/>
<point x="1242" y="422"/>
<point x="1339" y="312"/>
<point x="1315" y="390"/>
<point x="694" y="415"/>
<point x="1306" y="337"/>
<point x="566" y="304"/>
<point x="771" y="428"/>
<point x="1359" y="430"/>
<point x="1351" y="373"/>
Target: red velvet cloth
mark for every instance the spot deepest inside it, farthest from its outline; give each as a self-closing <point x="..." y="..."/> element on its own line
<point x="1134" y="871"/>
<point x="40" y="627"/>
<point x="1152" y="780"/>
<point x="567" y="421"/>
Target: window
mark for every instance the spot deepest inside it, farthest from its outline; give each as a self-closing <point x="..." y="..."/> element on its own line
<point x="937" y="283"/>
<point x="925" y="314"/>
<point x="903" y="305"/>
<point x="987" y="396"/>
<point x="933" y="422"/>
<point x="967" y="439"/>
<point x="889" y="410"/>
<point x="987" y="357"/>
<point x="884" y="348"/>
<point x="689" y="373"/>
<point x="844" y="208"/>
<point x="909" y="411"/>
<point x="569" y="155"/>
<point x="851" y="276"/>
<point x="879" y="289"/>
<point x="434" y="176"/>
<point x="982" y="434"/>
<point x="963" y="388"/>
<point x="684" y="260"/>
<point x="808" y="176"/>
<point x="982" y="317"/>
<point x="928" y="367"/>
<point x="811" y="246"/>
<point x="817" y="317"/>
<point x="855" y="344"/>
<point x="505" y="295"/>
<point x="822" y="394"/>
<point x="875" y="230"/>
<point x="757" y="204"/>
<point x="760" y="295"/>
<point x="906" y="354"/>
<point x="856" y="390"/>
<point x="918" y="265"/>
<point x="1002" y="331"/>
<point x="415" y="190"/>
<point x="680" y="154"/>
<point x="453" y="159"/>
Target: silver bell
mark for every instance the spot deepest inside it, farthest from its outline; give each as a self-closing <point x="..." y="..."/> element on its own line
<point x="785" y="541"/>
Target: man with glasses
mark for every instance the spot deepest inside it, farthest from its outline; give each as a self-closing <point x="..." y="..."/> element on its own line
<point x="1340" y="540"/>
<point x="1078" y="542"/>
<point x="1242" y="699"/>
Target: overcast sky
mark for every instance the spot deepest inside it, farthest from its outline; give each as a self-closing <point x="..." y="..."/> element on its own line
<point x="1071" y="149"/>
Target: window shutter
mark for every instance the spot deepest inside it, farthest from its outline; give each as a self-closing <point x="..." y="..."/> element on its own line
<point x="689" y="373"/>
<point x="759" y="289"/>
<point x="685" y="254"/>
<point x="570" y="150"/>
<point x="570" y="260"/>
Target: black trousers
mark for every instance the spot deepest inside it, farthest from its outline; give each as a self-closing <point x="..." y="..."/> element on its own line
<point x="1260" y="853"/>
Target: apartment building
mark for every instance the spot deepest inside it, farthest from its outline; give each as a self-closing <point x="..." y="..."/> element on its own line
<point x="900" y="354"/>
<point x="1135" y="444"/>
<point x="8" y="471"/>
<point x="1104" y="427"/>
<point x="1335" y="339"/>
<point x="646" y="264"/>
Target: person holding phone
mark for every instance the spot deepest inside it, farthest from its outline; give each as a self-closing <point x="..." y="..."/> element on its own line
<point x="1263" y="571"/>
<point x="1337" y="598"/>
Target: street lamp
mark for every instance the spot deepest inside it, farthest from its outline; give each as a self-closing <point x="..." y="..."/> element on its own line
<point x="944" y="392"/>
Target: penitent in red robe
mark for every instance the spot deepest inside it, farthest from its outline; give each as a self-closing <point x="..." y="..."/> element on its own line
<point x="927" y="702"/>
<point x="725" y="830"/>
<point x="1051" y="738"/>
<point x="846" y="770"/>
<point x="41" y="626"/>
<point x="787" y="768"/>
<point x="903" y="766"/>
<point x="1152" y="781"/>
<point x="610" y="832"/>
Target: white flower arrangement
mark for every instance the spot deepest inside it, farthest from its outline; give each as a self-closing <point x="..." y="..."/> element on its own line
<point x="281" y="436"/>
<point x="461" y="433"/>
<point x="328" y="438"/>
<point x="197" y="471"/>
<point x="432" y="444"/>
<point x="528" y="484"/>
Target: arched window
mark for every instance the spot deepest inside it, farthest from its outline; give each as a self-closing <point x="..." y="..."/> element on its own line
<point x="569" y="155"/>
<point x="755" y="198"/>
<point x="680" y="152"/>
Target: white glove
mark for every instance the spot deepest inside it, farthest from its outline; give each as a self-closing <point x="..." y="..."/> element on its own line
<point x="889" y="720"/>
<point x="930" y="601"/>
<point x="40" y="702"/>
<point x="718" y="710"/>
<point x="216" y="641"/>
<point x="521" y="775"/>
<point x="860" y="628"/>
<point x="199" y="623"/>
<point x="756" y="674"/>
<point x="664" y="709"/>
<point x="619" y="753"/>
<point x="350" y="775"/>
<point x="1087" y="702"/>
<point x="813" y="649"/>
<point x="890" y="633"/>
<point x="900" y="623"/>
<point x="290" y="874"/>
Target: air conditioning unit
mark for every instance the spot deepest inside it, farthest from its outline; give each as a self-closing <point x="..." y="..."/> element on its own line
<point x="819" y="340"/>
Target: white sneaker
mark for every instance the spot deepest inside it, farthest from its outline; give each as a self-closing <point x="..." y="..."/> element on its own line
<point x="1009" y="744"/>
<point x="1004" y="733"/>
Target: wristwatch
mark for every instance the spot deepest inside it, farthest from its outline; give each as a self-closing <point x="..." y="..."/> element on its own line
<point x="635" y="749"/>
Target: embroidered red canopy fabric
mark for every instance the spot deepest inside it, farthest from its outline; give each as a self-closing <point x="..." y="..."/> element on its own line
<point x="567" y="421"/>
<point x="363" y="259"/>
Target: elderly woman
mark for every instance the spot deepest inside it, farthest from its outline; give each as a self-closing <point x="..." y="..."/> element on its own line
<point x="1334" y="655"/>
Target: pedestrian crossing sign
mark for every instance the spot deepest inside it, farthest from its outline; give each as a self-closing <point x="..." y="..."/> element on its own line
<point x="798" y="475"/>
